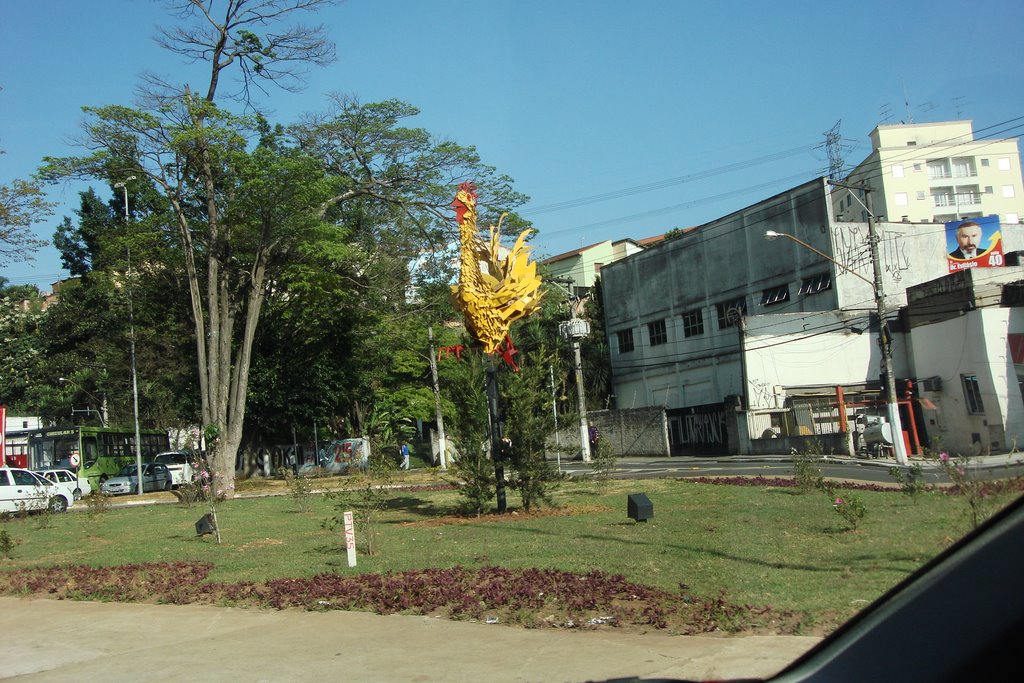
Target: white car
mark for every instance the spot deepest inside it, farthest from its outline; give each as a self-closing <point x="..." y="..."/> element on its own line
<point x="155" y="477"/>
<point x="180" y="463"/>
<point x="78" y="487"/>
<point x="24" y="490"/>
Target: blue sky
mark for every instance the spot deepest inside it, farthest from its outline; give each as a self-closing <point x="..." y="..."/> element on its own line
<point x="575" y="100"/>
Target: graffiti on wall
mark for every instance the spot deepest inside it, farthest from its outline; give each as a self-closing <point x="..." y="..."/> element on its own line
<point x="852" y="251"/>
<point x="759" y="393"/>
<point x="700" y="428"/>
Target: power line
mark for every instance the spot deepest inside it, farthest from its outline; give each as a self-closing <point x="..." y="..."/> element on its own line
<point x="670" y="182"/>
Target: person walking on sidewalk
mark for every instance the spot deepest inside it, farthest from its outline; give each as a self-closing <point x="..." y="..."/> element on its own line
<point x="405" y="455"/>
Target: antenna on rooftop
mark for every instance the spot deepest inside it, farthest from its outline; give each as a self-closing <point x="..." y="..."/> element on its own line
<point x="957" y="102"/>
<point x="885" y="112"/>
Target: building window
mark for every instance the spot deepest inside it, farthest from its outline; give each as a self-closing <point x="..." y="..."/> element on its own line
<point x="1008" y="192"/>
<point x="963" y="167"/>
<point x="1013" y="218"/>
<point x="693" y="323"/>
<point x="657" y="332"/>
<point x="920" y="194"/>
<point x="938" y="169"/>
<point x="984" y="162"/>
<point x="917" y="167"/>
<point x="897" y="170"/>
<point x="775" y="295"/>
<point x="597" y="268"/>
<point x="625" y="340"/>
<point x="901" y="199"/>
<point x="972" y="394"/>
<point x="816" y="283"/>
<point x="988" y="189"/>
<point x="1004" y="164"/>
<point x="725" y="320"/>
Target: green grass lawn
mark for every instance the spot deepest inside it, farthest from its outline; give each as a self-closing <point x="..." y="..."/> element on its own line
<point x="760" y="545"/>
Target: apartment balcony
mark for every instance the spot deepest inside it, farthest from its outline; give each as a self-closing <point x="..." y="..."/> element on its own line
<point x="965" y="199"/>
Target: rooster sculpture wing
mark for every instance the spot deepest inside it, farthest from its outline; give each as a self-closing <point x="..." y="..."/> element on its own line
<point x="493" y="290"/>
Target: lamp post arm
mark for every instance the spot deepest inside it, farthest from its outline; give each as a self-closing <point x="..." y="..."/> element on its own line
<point x="826" y="257"/>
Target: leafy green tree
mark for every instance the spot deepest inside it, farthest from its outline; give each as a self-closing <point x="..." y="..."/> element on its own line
<point x="22" y="351"/>
<point x="528" y="424"/>
<point x="341" y="201"/>
<point x="22" y="204"/>
<point x="87" y="356"/>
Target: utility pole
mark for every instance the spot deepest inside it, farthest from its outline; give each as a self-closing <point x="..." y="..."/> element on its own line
<point x="574" y="330"/>
<point x="884" y="342"/>
<point x="438" y="414"/>
<point x="554" y="412"/>
<point x="131" y="336"/>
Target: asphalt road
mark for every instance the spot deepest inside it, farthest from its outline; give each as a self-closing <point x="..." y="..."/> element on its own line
<point x="853" y="469"/>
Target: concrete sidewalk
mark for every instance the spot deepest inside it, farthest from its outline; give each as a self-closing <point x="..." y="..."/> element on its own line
<point x="49" y="640"/>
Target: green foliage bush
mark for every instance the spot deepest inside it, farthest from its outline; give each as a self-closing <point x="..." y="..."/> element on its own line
<point x="474" y="479"/>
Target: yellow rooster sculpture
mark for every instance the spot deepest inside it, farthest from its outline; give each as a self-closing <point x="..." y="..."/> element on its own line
<point x="493" y="292"/>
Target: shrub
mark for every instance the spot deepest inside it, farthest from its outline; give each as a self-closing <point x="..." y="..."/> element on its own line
<point x="846" y="505"/>
<point x="98" y="503"/>
<point x="301" y="489"/>
<point x="910" y="479"/>
<point x="474" y="479"/>
<point x="366" y="503"/>
<point x="602" y="462"/>
<point x="806" y="473"/>
<point x="977" y="493"/>
<point x="6" y="544"/>
<point x="850" y="508"/>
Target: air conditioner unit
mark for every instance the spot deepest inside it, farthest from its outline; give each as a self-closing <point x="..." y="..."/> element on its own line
<point x="932" y="384"/>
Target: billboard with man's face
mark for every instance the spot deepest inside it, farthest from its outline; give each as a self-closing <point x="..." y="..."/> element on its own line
<point x="974" y="243"/>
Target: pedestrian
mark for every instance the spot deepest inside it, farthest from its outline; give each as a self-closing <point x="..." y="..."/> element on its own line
<point x="405" y="455"/>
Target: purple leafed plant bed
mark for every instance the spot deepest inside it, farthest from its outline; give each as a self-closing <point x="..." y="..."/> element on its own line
<point x="528" y="597"/>
<point x="992" y="487"/>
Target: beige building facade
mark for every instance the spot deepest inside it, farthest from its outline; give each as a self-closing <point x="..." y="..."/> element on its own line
<point x="935" y="173"/>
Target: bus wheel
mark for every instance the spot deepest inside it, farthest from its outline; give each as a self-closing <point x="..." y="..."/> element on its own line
<point x="58" y="504"/>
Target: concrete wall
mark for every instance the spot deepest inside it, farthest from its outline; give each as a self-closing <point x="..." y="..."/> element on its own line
<point x="642" y="432"/>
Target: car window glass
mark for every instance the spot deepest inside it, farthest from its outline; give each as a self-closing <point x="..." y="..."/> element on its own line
<point x="23" y="478"/>
<point x="4" y="481"/>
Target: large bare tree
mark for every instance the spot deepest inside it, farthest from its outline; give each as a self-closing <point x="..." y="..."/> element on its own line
<point x="235" y="210"/>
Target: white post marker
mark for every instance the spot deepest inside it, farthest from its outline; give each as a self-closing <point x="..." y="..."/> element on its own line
<point x="350" y="538"/>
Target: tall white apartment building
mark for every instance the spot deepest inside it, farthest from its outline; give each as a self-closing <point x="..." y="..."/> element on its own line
<point x="934" y="173"/>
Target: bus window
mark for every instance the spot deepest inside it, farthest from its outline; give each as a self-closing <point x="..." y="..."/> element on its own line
<point x="89" y="450"/>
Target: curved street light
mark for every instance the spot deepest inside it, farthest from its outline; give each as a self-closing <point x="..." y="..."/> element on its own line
<point x="892" y="405"/>
<point x="101" y="402"/>
<point x="131" y="337"/>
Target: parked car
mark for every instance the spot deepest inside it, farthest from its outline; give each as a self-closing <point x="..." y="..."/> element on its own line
<point x="70" y="481"/>
<point x="155" y="477"/>
<point x="180" y="464"/>
<point x="22" y="489"/>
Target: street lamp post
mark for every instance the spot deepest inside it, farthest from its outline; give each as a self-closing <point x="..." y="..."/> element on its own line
<point x="892" y="405"/>
<point x="131" y="337"/>
<point x="102" y="402"/>
<point x="574" y="330"/>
